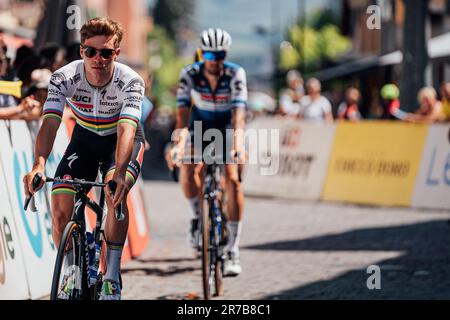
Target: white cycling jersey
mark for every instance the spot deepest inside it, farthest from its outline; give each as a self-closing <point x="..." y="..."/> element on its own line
<point x="97" y="109"/>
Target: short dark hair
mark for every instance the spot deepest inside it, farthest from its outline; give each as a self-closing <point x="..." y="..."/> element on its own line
<point x="101" y="27"/>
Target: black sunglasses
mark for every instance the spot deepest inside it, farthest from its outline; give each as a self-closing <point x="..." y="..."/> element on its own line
<point x="91" y="52"/>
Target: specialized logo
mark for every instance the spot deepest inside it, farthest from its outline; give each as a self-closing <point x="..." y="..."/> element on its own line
<point x="77" y="205"/>
<point x="72" y="158"/>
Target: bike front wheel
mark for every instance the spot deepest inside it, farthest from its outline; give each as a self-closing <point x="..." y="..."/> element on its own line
<point x="69" y="276"/>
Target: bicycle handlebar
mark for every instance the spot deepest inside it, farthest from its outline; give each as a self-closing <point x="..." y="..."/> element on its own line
<point x="76" y="182"/>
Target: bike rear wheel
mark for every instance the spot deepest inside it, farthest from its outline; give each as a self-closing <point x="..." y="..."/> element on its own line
<point x="69" y="277"/>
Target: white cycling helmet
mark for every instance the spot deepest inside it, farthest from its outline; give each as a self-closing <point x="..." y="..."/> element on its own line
<point x="215" y="40"/>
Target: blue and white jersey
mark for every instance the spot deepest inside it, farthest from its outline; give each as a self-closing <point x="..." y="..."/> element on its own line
<point x="213" y="108"/>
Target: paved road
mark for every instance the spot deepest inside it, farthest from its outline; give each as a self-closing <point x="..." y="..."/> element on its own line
<point x="299" y="250"/>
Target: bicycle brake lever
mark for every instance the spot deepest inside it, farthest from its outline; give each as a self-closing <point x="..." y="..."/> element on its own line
<point x="36" y="182"/>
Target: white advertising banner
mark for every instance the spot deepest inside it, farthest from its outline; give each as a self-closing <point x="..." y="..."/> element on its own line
<point x="13" y="278"/>
<point x="291" y="158"/>
<point x="34" y="228"/>
<point x="433" y="182"/>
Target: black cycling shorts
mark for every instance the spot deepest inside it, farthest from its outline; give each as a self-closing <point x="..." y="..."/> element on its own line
<point x="217" y="144"/>
<point x="87" y="153"/>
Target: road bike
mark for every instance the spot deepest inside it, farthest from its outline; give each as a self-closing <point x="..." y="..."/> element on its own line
<point x="79" y="265"/>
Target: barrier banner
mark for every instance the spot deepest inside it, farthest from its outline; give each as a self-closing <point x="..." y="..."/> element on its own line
<point x="13" y="277"/>
<point x="375" y="162"/>
<point x="292" y="158"/>
<point x="138" y="230"/>
<point x="34" y="228"/>
<point x="433" y="182"/>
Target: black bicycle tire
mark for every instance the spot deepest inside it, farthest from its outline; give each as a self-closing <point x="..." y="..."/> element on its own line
<point x="67" y="235"/>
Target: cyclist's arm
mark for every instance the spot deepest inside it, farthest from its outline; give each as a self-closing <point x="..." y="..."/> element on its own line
<point x="44" y="144"/>
<point x="44" y="141"/>
<point x="125" y="139"/>
<point x="239" y="101"/>
<point x="181" y="126"/>
<point x="183" y="108"/>
<point x="130" y="115"/>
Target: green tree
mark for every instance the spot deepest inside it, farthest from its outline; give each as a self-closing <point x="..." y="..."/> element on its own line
<point x="313" y="44"/>
<point x="173" y="15"/>
<point x="164" y="65"/>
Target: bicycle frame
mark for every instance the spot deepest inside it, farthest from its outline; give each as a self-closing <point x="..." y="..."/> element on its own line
<point x="211" y="194"/>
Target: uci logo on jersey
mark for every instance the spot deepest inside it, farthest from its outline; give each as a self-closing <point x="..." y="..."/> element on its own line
<point x="81" y="99"/>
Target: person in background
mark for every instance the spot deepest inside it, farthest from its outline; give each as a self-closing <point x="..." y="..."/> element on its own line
<point x="430" y="108"/>
<point x="148" y="110"/>
<point x="390" y="95"/>
<point x="445" y="95"/>
<point x="22" y="54"/>
<point x="314" y="106"/>
<point x="53" y="56"/>
<point x="9" y="108"/>
<point x="72" y="52"/>
<point x="290" y="97"/>
<point x="348" y="109"/>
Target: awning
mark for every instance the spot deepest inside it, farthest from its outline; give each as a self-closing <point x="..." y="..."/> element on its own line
<point x="438" y="47"/>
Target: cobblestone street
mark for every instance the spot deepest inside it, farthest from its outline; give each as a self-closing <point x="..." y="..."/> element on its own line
<point x="299" y="250"/>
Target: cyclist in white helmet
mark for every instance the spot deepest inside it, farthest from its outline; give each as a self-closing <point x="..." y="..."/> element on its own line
<point x="213" y="92"/>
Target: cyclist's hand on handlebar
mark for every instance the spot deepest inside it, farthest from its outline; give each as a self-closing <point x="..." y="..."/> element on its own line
<point x="28" y="181"/>
<point x="174" y="156"/>
<point x="239" y="156"/>
<point x="120" y="193"/>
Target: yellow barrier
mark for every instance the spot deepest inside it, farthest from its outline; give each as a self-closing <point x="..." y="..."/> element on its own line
<point x="12" y="88"/>
<point x="375" y="163"/>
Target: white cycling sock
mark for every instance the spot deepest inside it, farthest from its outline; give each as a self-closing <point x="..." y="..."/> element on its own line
<point x="113" y="257"/>
<point x="235" y="229"/>
<point x="195" y="207"/>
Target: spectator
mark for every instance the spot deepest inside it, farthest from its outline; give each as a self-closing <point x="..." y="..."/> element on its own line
<point x="3" y="48"/>
<point x="348" y="109"/>
<point x="445" y="94"/>
<point x="38" y="91"/>
<point x="314" y="106"/>
<point x="291" y="96"/>
<point x="25" y="69"/>
<point x="53" y="56"/>
<point x="9" y="109"/>
<point x="430" y="107"/>
<point x="72" y="52"/>
<point x="23" y="53"/>
<point x="390" y="95"/>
